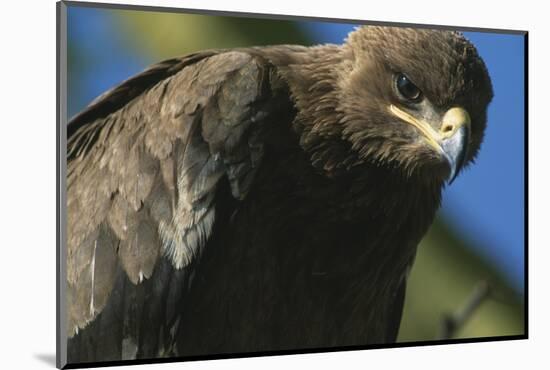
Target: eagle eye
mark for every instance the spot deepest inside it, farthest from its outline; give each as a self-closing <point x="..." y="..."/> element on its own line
<point x="407" y="89"/>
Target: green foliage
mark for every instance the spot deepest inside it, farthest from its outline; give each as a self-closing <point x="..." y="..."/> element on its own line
<point x="166" y="35"/>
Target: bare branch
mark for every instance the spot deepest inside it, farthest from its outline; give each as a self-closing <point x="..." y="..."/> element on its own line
<point x="451" y="323"/>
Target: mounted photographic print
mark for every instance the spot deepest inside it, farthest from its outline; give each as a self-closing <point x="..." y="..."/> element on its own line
<point x="239" y="184"/>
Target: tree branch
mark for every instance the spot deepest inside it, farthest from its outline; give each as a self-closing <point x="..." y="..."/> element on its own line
<point x="451" y="323"/>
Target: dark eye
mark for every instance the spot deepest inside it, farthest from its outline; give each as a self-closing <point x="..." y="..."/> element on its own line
<point x="406" y="88"/>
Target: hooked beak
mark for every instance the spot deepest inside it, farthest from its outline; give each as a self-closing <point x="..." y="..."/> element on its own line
<point x="451" y="140"/>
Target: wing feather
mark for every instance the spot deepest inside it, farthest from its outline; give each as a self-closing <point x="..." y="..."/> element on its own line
<point x="144" y="162"/>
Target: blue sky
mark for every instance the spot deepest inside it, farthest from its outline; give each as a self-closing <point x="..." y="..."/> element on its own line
<point x="485" y="205"/>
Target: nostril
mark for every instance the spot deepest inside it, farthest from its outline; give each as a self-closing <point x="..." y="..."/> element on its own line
<point x="447" y="128"/>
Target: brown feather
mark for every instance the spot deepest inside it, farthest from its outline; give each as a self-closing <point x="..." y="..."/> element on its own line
<point x="139" y="251"/>
<point x="146" y="172"/>
<point x="90" y="287"/>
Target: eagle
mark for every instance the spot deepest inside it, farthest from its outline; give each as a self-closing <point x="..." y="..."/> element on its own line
<point x="265" y="198"/>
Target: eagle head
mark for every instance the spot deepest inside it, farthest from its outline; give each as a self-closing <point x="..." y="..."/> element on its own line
<point x="414" y="100"/>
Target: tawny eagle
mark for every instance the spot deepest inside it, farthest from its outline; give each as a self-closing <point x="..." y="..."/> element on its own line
<point x="265" y="198"/>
